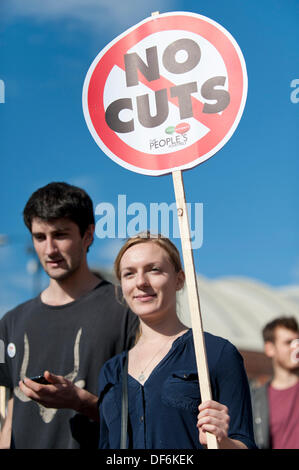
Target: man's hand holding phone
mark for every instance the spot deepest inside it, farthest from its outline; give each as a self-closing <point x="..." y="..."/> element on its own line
<point x="50" y="390"/>
<point x="40" y="379"/>
<point x="60" y="393"/>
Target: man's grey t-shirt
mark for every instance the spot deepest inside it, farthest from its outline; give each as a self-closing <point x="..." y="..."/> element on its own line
<point x="73" y="340"/>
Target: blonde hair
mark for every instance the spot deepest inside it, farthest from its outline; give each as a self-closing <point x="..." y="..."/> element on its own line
<point x="146" y="237"/>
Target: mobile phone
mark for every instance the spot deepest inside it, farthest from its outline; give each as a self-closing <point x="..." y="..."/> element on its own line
<point x="40" y="379"/>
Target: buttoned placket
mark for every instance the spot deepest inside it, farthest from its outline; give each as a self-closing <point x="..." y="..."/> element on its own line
<point x="138" y="408"/>
<point x="142" y="395"/>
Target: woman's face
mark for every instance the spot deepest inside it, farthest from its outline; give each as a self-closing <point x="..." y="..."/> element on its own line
<point x="149" y="281"/>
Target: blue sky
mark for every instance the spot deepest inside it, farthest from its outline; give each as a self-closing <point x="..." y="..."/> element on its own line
<point x="248" y="189"/>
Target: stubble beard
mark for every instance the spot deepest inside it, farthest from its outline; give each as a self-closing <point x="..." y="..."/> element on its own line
<point x="67" y="273"/>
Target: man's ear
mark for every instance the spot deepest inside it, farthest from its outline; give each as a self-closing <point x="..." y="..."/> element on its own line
<point x="269" y="348"/>
<point x="88" y="235"/>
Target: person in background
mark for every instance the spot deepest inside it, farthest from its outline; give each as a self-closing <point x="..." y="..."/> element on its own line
<point x="64" y="334"/>
<point x="164" y="403"/>
<point x="276" y="403"/>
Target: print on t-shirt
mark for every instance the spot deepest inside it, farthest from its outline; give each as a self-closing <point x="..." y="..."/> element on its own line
<point x="47" y="414"/>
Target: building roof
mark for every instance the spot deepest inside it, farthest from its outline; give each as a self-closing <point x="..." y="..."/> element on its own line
<point x="237" y="308"/>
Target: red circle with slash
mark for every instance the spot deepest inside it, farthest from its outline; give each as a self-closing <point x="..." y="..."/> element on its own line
<point x="219" y="126"/>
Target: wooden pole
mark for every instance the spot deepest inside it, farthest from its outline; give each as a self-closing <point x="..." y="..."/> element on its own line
<point x="194" y="304"/>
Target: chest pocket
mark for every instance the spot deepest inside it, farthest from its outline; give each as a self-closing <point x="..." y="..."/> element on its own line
<point x="181" y="390"/>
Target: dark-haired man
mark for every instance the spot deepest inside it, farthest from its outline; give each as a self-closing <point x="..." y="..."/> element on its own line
<point x="276" y="404"/>
<point x="70" y="329"/>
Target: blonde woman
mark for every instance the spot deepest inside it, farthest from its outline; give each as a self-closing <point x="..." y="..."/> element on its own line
<point x="164" y="404"/>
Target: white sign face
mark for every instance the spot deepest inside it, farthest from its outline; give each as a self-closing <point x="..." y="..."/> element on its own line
<point x="167" y="94"/>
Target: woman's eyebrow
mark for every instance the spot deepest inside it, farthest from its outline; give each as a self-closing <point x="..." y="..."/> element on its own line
<point x="148" y="265"/>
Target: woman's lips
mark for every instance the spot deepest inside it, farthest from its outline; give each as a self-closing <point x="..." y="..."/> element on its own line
<point x="145" y="297"/>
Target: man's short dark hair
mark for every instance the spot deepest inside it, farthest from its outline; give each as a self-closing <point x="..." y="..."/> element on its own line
<point x="290" y="323"/>
<point x="60" y="200"/>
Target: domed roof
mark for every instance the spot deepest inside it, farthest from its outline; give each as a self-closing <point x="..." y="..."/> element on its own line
<point x="237" y="308"/>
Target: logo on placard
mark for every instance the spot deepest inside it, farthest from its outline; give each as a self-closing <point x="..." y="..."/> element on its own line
<point x="175" y="136"/>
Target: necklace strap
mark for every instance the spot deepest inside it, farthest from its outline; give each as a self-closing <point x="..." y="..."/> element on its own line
<point x="141" y="376"/>
<point x="124" y="405"/>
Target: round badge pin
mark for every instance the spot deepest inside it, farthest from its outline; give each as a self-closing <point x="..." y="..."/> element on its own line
<point x="11" y="350"/>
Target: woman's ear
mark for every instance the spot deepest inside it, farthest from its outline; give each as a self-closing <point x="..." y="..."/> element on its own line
<point x="180" y="280"/>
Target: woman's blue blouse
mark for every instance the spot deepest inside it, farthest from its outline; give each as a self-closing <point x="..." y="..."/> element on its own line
<point x="163" y="412"/>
